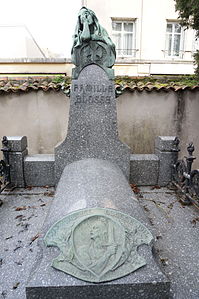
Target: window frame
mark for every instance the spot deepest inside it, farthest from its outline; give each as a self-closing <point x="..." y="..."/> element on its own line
<point x="173" y="34"/>
<point x="122" y="21"/>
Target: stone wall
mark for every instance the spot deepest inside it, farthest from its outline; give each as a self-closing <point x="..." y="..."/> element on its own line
<point x="144" y="115"/>
<point x="42" y="117"/>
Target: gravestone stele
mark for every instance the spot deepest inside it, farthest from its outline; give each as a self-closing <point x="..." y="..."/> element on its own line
<point x="92" y="127"/>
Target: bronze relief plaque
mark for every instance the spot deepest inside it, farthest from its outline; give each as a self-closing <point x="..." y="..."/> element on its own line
<point x="98" y="244"/>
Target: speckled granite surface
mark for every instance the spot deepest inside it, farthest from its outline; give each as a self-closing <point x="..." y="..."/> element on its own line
<point x="176" y="228"/>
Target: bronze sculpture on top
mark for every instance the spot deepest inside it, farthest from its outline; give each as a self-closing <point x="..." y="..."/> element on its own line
<point x="92" y="44"/>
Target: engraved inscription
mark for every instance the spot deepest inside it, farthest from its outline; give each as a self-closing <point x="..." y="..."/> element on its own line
<point x="92" y="88"/>
<point x="98" y="244"/>
<point x="92" y="93"/>
<point x="92" y="99"/>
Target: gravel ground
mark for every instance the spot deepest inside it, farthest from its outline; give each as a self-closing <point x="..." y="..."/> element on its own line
<point x="175" y="226"/>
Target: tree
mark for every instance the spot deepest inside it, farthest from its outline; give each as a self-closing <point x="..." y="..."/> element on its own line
<point x="189" y="16"/>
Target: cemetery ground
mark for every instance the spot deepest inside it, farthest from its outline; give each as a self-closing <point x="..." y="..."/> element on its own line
<point x="174" y="226"/>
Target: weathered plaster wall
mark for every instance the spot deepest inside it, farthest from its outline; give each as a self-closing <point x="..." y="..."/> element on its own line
<point x="142" y="116"/>
<point x="43" y="117"/>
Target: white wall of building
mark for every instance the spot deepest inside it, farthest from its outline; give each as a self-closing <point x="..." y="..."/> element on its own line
<point x="151" y="17"/>
<point x="17" y="42"/>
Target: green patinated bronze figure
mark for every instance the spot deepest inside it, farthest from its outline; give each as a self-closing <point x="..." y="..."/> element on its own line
<point x="92" y="44"/>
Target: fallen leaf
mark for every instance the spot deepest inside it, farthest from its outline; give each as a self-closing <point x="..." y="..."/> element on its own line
<point x="194" y="221"/>
<point x="21" y="208"/>
<point x="49" y="193"/>
<point x="19" y="216"/>
<point x="155" y="187"/>
<point x="9" y="238"/>
<point x="16" y="285"/>
<point x="135" y="188"/>
<point x="17" y="248"/>
<point x="34" y="238"/>
<point x="28" y="188"/>
<point x="18" y="263"/>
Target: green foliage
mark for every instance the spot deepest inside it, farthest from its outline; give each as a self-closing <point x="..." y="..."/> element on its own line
<point x="158" y="81"/>
<point x="196" y="58"/>
<point x="189" y="16"/>
<point x="61" y="79"/>
<point x="189" y="13"/>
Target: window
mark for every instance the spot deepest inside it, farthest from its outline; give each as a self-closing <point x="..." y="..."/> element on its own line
<point x="124" y="37"/>
<point x="174" y="40"/>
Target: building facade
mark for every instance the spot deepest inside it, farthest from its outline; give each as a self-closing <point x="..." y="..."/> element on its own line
<point x="148" y="37"/>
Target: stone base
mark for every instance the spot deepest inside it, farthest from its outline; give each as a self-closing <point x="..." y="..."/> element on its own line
<point x="147" y="282"/>
<point x="144" y="169"/>
<point x="46" y="282"/>
<point x="148" y="290"/>
<point x="39" y="170"/>
<point x="87" y="184"/>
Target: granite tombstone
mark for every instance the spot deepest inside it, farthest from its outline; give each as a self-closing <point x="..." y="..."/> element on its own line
<point x="96" y="233"/>
<point x="95" y="239"/>
<point x="92" y="128"/>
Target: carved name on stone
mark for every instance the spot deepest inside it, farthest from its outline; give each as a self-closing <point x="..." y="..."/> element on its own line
<point x="88" y="93"/>
<point x="98" y="244"/>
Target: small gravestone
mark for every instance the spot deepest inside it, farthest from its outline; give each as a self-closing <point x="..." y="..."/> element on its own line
<point x="95" y="241"/>
<point x="92" y="128"/>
